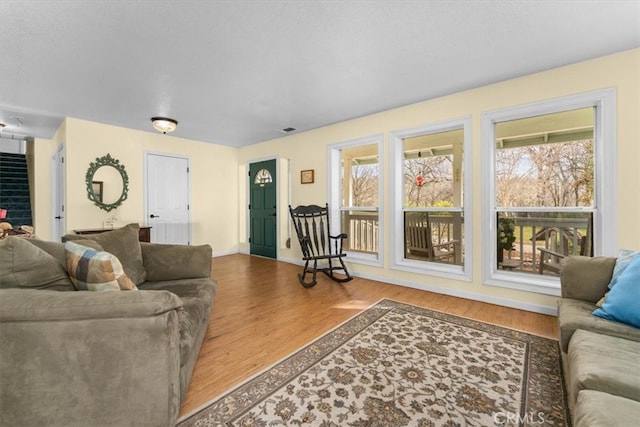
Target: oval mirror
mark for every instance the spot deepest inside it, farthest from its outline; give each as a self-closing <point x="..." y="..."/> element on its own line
<point x="107" y="183"/>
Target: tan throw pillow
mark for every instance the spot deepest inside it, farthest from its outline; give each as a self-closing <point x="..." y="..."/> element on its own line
<point x="124" y="244"/>
<point x="92" y="270"/>
<point x="23" y="265"/>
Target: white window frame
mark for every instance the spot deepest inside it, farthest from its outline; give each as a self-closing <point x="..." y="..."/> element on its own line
<point x="605" y="202"/>
<point x="398" y="260"/>
<point x="334" y="185"/>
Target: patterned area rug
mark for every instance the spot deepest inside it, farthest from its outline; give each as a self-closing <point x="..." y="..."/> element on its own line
<point x="400" y="365"/>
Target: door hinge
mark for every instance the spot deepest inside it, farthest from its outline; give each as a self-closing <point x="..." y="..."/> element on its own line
<point x="188" y="207"/>
<point x="249" y="239"/>
<point x="249" y="173"/>
<point x="187" y="170"/>
<point x="249" y="207"/>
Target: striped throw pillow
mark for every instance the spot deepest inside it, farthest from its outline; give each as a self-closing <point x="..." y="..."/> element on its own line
<point x="92" y="270"/>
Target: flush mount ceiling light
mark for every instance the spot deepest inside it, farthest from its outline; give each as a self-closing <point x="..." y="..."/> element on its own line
<point x="164" y="124"/>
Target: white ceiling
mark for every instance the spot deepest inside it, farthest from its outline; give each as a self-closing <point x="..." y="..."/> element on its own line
<point x="237" y="72"/>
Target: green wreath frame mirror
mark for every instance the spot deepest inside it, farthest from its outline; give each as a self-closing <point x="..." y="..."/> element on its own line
<point x="95" y="191"/>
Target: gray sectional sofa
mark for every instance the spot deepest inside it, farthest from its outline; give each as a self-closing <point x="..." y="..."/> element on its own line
<point x="601" y="358"/>
<point x="84" y="358"/>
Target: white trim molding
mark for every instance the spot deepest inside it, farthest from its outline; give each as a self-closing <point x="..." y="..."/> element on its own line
<point x="429" y="287"/>
<point x="396" y="149"/>
<point x="334" y="182"/>
<point x="605" y="202"/>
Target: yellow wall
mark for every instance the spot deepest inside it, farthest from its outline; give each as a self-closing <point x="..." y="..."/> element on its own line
<point x="41" y="209"/>
<point x="308" y="150"/>
<point x="219" y="180"/>
<point x="214" y="199"/>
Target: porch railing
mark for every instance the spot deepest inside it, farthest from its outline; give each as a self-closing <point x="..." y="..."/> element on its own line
<point x="362" y="229"/>
<point x="561" y="235"/>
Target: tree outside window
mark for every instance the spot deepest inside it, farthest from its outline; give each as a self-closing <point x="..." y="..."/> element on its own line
<point x="544" y="190"/>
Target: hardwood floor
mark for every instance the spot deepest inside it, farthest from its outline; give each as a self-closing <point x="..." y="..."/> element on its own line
<point x="261" y="314"/>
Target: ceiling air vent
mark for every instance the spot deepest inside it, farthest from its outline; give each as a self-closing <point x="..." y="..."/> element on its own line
<point x="287" y="130"/>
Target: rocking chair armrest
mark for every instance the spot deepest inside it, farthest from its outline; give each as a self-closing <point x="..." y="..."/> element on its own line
<point x="339" y="236"/>
<point x="338" y="242"/>
<point x="544" y="251"/>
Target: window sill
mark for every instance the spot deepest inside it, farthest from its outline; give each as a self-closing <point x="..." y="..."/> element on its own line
<point x="447" y="271"/>
<point x="365" y="259"/>
<point x="525" y="282"/>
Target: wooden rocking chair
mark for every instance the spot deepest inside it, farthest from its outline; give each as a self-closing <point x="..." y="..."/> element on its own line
<point x="312" y="228"/>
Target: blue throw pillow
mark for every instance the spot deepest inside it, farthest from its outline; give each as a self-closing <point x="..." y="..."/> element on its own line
<point x="623" y="300"/>
<point x="624" y="258"/>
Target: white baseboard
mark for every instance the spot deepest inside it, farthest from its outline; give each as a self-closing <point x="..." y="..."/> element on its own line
<point x="219" y="254"/>
<point x="505" y="302"/>
<point x="291" y="260"/>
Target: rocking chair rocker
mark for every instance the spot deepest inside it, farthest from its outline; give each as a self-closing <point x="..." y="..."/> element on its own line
<point x="312" y="228"/>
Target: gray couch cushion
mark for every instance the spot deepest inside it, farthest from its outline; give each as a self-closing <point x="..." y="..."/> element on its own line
<point x="197" y="297"/>
<point x="598" y="409"/>
<point x="91" y="352"/>
<point x="172" y="262"/>
<point x="55" y="249"/>
<point x="124" y="244"/>
<point x="18" y="305"/>
<point x="603" y="363"/>
<point x="89" y="359"/>
<point x="196" y="301"/>
<point x="586" y="278"/>
<point x="25" y="265"/>
<point x="574" y="314"/>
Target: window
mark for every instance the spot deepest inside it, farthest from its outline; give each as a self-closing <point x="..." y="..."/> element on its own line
<point x="354" y="194"/>
<point x="545" y="189"/>
<point x="263" y="176"/>
<point x="429" y="201"/>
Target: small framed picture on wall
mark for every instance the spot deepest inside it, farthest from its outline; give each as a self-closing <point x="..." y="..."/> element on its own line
<point x="306" y="176"/>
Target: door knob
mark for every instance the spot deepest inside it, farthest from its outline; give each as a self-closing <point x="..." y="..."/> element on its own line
<point x="154" y="216"/>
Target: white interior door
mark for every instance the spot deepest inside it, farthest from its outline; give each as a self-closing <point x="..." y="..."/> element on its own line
<point x="57" y="193"/>
<point x="167" y="198"/>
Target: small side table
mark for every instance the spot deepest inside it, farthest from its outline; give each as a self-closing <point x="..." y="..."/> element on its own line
<point x="144" y="234"/>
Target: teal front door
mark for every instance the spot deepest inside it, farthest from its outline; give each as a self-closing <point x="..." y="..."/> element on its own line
<point x="262" y="208"/>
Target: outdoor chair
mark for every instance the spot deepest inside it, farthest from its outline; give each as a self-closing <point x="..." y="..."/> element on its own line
<point x="420" y="240"/>
<point x="550" y="260"/>
<point x="313" y="231"/>
<point x="551" y="257"/>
